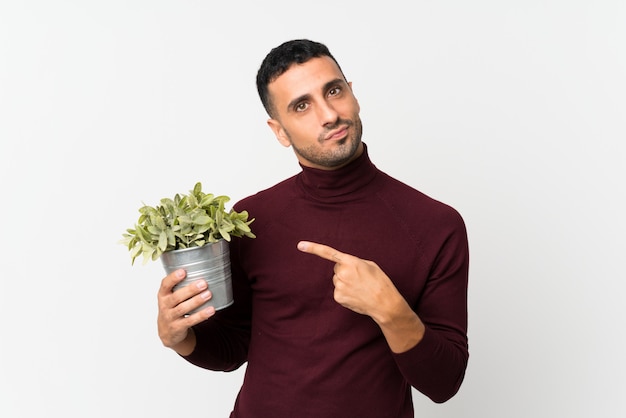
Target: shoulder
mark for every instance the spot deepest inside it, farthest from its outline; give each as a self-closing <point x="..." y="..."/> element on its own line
<point x="270" y="199"/>
<point x="411" y="203"/>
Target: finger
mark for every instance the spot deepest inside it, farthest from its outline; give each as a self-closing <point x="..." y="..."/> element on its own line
<point x="198" y="317"/>
<point x="171" y="280"/>
<point x="336" y="280"/>
<point x="189" y="290"/>
<point x="321" y="250"/>
<point x="183" y="308"/>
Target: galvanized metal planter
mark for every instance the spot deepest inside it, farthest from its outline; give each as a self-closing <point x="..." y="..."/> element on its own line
<point x="210" y="262"/>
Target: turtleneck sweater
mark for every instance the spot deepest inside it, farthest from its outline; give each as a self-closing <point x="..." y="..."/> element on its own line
<point x="307" y="356"/>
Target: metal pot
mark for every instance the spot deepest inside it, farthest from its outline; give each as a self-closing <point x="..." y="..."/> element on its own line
<point x="210" y="262"/>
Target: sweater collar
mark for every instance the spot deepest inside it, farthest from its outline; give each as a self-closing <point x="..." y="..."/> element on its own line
<point x="343" y="182"/>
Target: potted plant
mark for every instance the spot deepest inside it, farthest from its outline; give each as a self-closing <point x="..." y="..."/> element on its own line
<point x="191" y="231"/>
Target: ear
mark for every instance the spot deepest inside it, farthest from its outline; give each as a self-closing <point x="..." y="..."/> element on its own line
<point x="279" y="132"/>
<point x="355" y="99"/>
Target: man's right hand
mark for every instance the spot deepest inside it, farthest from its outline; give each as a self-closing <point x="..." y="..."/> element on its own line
<point x="174" y="325"/>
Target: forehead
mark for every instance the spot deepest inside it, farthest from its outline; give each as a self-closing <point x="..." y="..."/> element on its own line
<point x="304" y="79"/>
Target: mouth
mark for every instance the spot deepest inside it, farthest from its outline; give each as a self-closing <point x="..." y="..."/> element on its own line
<point x="337" y="134"/>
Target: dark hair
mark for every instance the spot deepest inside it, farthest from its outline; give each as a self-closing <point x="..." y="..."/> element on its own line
<point x="279" y="59"/>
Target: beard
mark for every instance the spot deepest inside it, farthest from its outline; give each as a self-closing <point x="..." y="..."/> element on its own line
<point x="341" y="154"/>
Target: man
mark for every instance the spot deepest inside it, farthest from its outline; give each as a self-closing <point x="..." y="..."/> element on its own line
<point x="355" y="289"/>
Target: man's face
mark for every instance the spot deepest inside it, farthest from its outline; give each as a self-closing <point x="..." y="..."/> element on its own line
<point x="316" y="113"/>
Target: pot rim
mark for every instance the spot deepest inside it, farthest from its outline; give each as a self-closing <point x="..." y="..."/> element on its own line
<point x="208" y="244"/>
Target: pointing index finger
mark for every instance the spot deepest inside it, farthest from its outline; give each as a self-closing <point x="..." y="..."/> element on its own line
<point x="320" y="250"/>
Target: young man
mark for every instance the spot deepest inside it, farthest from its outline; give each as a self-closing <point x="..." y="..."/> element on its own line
<point x="355" y="289"/>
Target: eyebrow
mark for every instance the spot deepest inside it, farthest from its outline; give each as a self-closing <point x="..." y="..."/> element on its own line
<point x="291" y="105"/>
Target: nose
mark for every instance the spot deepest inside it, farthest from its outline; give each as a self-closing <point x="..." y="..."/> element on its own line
<point x="327" y="113"/>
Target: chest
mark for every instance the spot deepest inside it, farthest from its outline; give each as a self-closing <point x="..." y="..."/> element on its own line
<point x="279" y="273"/>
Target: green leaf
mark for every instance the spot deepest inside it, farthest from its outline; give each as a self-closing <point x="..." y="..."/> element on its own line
<point x="154" y="230"/>
<point x="201" y="220"/>
<point x="162" y="245"/>
<point x="225" y="234"/>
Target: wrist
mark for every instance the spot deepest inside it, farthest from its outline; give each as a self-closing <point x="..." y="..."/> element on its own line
<point x="401" y="327"/>
<point x="186" y="346"/>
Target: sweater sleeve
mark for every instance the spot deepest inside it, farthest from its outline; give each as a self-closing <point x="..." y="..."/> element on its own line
<point x="222" y="341"/>
<point x="436" y="366"/>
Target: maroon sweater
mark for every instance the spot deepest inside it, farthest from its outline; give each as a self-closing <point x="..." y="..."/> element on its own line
<point x="309" y="357"/>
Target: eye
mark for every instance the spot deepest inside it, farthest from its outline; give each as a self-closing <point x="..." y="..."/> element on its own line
<point x="334" y="91"/>
<point x="301" y="107"/>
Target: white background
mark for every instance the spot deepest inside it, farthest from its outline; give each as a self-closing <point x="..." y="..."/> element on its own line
<point x="513" y="112"/>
